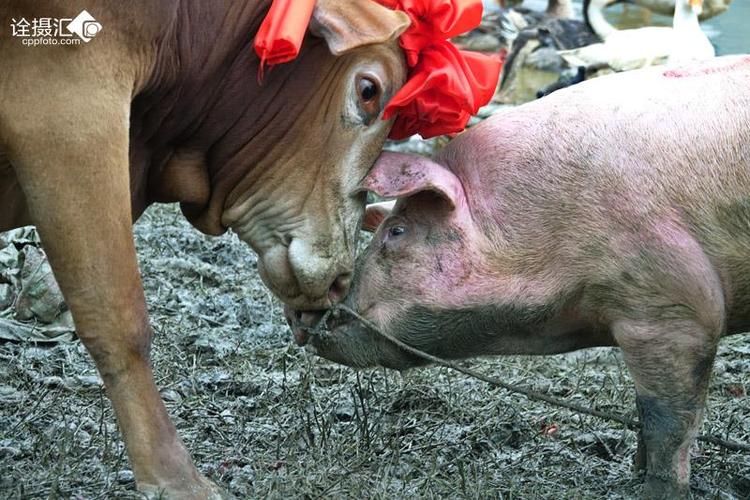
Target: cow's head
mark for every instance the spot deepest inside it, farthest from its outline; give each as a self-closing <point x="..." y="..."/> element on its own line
<point x="312" y="133"/>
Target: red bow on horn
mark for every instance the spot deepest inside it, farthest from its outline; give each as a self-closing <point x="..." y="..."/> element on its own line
<point x="445" y="85"/>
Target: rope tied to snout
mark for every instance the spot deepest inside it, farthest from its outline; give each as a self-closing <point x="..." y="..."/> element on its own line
<point x="530" y="394"/>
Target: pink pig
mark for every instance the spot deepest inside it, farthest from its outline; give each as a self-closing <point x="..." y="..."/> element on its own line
<point x="613" y="213"/>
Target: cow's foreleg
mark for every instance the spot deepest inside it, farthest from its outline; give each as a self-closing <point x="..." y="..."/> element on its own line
<point x="73" y="168"/>
<point x="670" y="361"/>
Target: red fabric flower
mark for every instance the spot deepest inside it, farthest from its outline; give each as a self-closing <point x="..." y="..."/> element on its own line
<point x="444" y="89"/>
<point x="445" y="86"/>
<point x="433" y="21"/>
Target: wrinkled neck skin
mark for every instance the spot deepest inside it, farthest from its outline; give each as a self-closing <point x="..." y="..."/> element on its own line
<point x="208" y="116"/>
<point x="179" y="151"/>
<point x="185" y="131"/>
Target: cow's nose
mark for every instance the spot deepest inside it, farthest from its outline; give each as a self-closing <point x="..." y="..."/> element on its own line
<point x="320" y="278"/>
<point x="339" y="288"/>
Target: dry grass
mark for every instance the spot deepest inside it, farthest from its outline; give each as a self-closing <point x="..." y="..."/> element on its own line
<point x="265" y="419"/>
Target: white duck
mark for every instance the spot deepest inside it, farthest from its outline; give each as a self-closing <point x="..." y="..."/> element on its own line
<point x="623" y="50"/>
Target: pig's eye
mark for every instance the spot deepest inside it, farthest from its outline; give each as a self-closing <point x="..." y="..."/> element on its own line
<point x="393" y="238"/>
<point x="396" y="230"/>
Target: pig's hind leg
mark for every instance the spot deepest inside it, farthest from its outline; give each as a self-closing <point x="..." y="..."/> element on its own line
<point x="669" y="320"/>
<point x="671" y="363"/>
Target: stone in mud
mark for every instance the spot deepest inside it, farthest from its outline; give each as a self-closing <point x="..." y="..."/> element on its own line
<point x="6" y="296"/>
<point x="40" y="297"/>
<point x="8" y="263"/>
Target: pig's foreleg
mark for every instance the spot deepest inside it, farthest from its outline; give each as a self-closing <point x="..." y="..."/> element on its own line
<point x="670" y="361"/>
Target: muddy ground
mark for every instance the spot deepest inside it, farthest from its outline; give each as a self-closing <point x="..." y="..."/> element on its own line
<point x="266" y="419"/>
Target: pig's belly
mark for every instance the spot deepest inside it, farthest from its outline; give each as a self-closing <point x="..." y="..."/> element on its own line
<point x="726" y="240"/>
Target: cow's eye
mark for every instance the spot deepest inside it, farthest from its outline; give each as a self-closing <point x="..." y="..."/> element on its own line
<point x="368" y="94"/>
<point x="368" y="89"/>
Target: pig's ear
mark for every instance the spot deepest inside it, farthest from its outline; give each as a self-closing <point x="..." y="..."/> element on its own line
<point x="375" y="213"/>
<point x="348" y="24"/>
<point x="398" y="175"/>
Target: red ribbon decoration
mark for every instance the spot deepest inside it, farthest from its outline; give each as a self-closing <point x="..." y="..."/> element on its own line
<point x="445" y="85"/>
<point x="280" y="35"/>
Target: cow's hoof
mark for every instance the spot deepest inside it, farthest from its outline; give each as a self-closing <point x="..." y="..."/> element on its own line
<point x="202" y="490"/>
<point x="658" y="488"/>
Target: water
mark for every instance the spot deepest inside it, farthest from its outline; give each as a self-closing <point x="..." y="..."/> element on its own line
<point x="732" y="29"/>
<point x="729" y="32"/>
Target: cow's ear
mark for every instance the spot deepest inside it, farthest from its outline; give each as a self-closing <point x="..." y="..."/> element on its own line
<point x="399" y="175"/>
<point x="348" y="24"/>
<point x="375" y="213"/>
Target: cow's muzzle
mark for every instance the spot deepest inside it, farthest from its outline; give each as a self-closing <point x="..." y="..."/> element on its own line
<point x="304" y="280"/>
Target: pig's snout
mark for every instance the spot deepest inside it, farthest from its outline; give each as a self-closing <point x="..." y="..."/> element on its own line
<point x="338" y="337"/>
<point x="303" y="322"/>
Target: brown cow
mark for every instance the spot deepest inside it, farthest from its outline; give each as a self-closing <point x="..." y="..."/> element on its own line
<point x="164" y="105"/>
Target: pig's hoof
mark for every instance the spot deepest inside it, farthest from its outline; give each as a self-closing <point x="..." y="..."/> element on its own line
<point x="201" y="490"/>
<point x="658" y="488"/>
